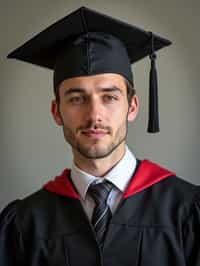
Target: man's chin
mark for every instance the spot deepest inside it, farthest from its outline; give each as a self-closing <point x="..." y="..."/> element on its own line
<point x="96" y="149"/>
<point x="94" y="152"/>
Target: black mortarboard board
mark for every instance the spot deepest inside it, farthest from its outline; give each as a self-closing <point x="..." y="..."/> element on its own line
<point x="86" y="43"/>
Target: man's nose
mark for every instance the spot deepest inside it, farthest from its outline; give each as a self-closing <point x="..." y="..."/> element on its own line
<point x="95" y="110"/>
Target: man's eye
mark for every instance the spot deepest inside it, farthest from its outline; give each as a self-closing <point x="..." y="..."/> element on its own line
<point x="110" y="98"/>
<point x="77" y="99"/>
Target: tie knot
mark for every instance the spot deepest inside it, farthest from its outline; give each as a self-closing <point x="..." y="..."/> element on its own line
<point x="100" y="191"/>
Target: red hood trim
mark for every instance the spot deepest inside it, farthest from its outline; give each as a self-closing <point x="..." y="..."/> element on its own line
<point x="62" y="185"/>
<point x="147" y="174"/>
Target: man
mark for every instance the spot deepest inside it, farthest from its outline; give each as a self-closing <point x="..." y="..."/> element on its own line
<point x="110" y="208"/>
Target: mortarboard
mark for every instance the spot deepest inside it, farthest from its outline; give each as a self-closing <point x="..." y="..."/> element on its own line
<point x="87" y="42"/>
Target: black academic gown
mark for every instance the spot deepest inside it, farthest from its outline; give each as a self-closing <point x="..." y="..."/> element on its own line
<point x="156" y="224"/>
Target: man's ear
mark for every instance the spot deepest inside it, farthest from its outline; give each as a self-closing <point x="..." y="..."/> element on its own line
<point x="133" y="108"/>
<point x="56" y="113"/>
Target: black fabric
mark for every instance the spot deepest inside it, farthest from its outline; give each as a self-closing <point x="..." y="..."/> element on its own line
<point x="90" y="54"/>
<point x="87" y="42"/>
<point x="153" y="125"/>
<point x="102" y="213"/>
<point x="43" y="49"/>
<point x="158" y="226"/>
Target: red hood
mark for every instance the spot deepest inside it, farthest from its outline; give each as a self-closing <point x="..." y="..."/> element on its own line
<point x="147" y="174"/>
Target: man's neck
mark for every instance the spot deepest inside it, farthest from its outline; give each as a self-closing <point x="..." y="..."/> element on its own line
<point x="99" y="167"/>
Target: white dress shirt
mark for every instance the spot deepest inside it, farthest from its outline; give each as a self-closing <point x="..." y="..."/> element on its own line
<point x="119" y="176"/>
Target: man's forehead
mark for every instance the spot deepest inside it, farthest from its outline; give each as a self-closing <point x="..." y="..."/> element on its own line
<point x="106" y="80"/>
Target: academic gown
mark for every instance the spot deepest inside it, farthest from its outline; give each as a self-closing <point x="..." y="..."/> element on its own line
<point x="156" y="224"/>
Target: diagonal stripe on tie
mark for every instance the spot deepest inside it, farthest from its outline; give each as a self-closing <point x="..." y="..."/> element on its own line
<point x="102" y="214"/>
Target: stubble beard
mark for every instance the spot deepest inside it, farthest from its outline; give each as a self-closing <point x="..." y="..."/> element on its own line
<point x="95" y="152"/>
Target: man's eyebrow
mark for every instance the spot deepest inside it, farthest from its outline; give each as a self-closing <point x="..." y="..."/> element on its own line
<point x="82" y="90"/>
<point x="73" y="90"/>
<point x="112" y="88"/>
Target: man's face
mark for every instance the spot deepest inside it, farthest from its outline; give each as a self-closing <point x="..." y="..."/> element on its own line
<point x="94" y="111"/>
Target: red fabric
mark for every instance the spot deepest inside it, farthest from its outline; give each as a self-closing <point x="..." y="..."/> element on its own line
<point x="147" y="174"/>
<point x="62" y="185"/>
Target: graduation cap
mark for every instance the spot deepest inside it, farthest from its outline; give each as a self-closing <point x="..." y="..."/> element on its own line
<point x="87" y="42"/>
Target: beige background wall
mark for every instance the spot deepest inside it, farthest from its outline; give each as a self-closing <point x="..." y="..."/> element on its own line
<point x="33" y="148"/>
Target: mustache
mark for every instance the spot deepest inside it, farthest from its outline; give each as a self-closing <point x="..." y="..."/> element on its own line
<point x="91" y="126"/>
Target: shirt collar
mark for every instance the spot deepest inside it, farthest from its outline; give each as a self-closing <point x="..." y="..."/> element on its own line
<point x="119" y="175"/>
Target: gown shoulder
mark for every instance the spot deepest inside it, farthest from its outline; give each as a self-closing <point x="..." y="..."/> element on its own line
<point x="191" y="232"/>
<point x="11" y="243"/>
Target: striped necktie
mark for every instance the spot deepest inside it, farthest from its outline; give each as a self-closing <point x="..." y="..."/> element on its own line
<point x="102" y="214"/>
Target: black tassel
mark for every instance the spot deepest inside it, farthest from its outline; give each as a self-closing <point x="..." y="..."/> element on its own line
<point x="153" y="125"/>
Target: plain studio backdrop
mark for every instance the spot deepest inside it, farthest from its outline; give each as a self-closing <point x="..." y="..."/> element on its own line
<point x="33" y="149"/>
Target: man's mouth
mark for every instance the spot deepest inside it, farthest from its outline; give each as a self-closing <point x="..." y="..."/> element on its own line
<point x="95" y="133"/>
